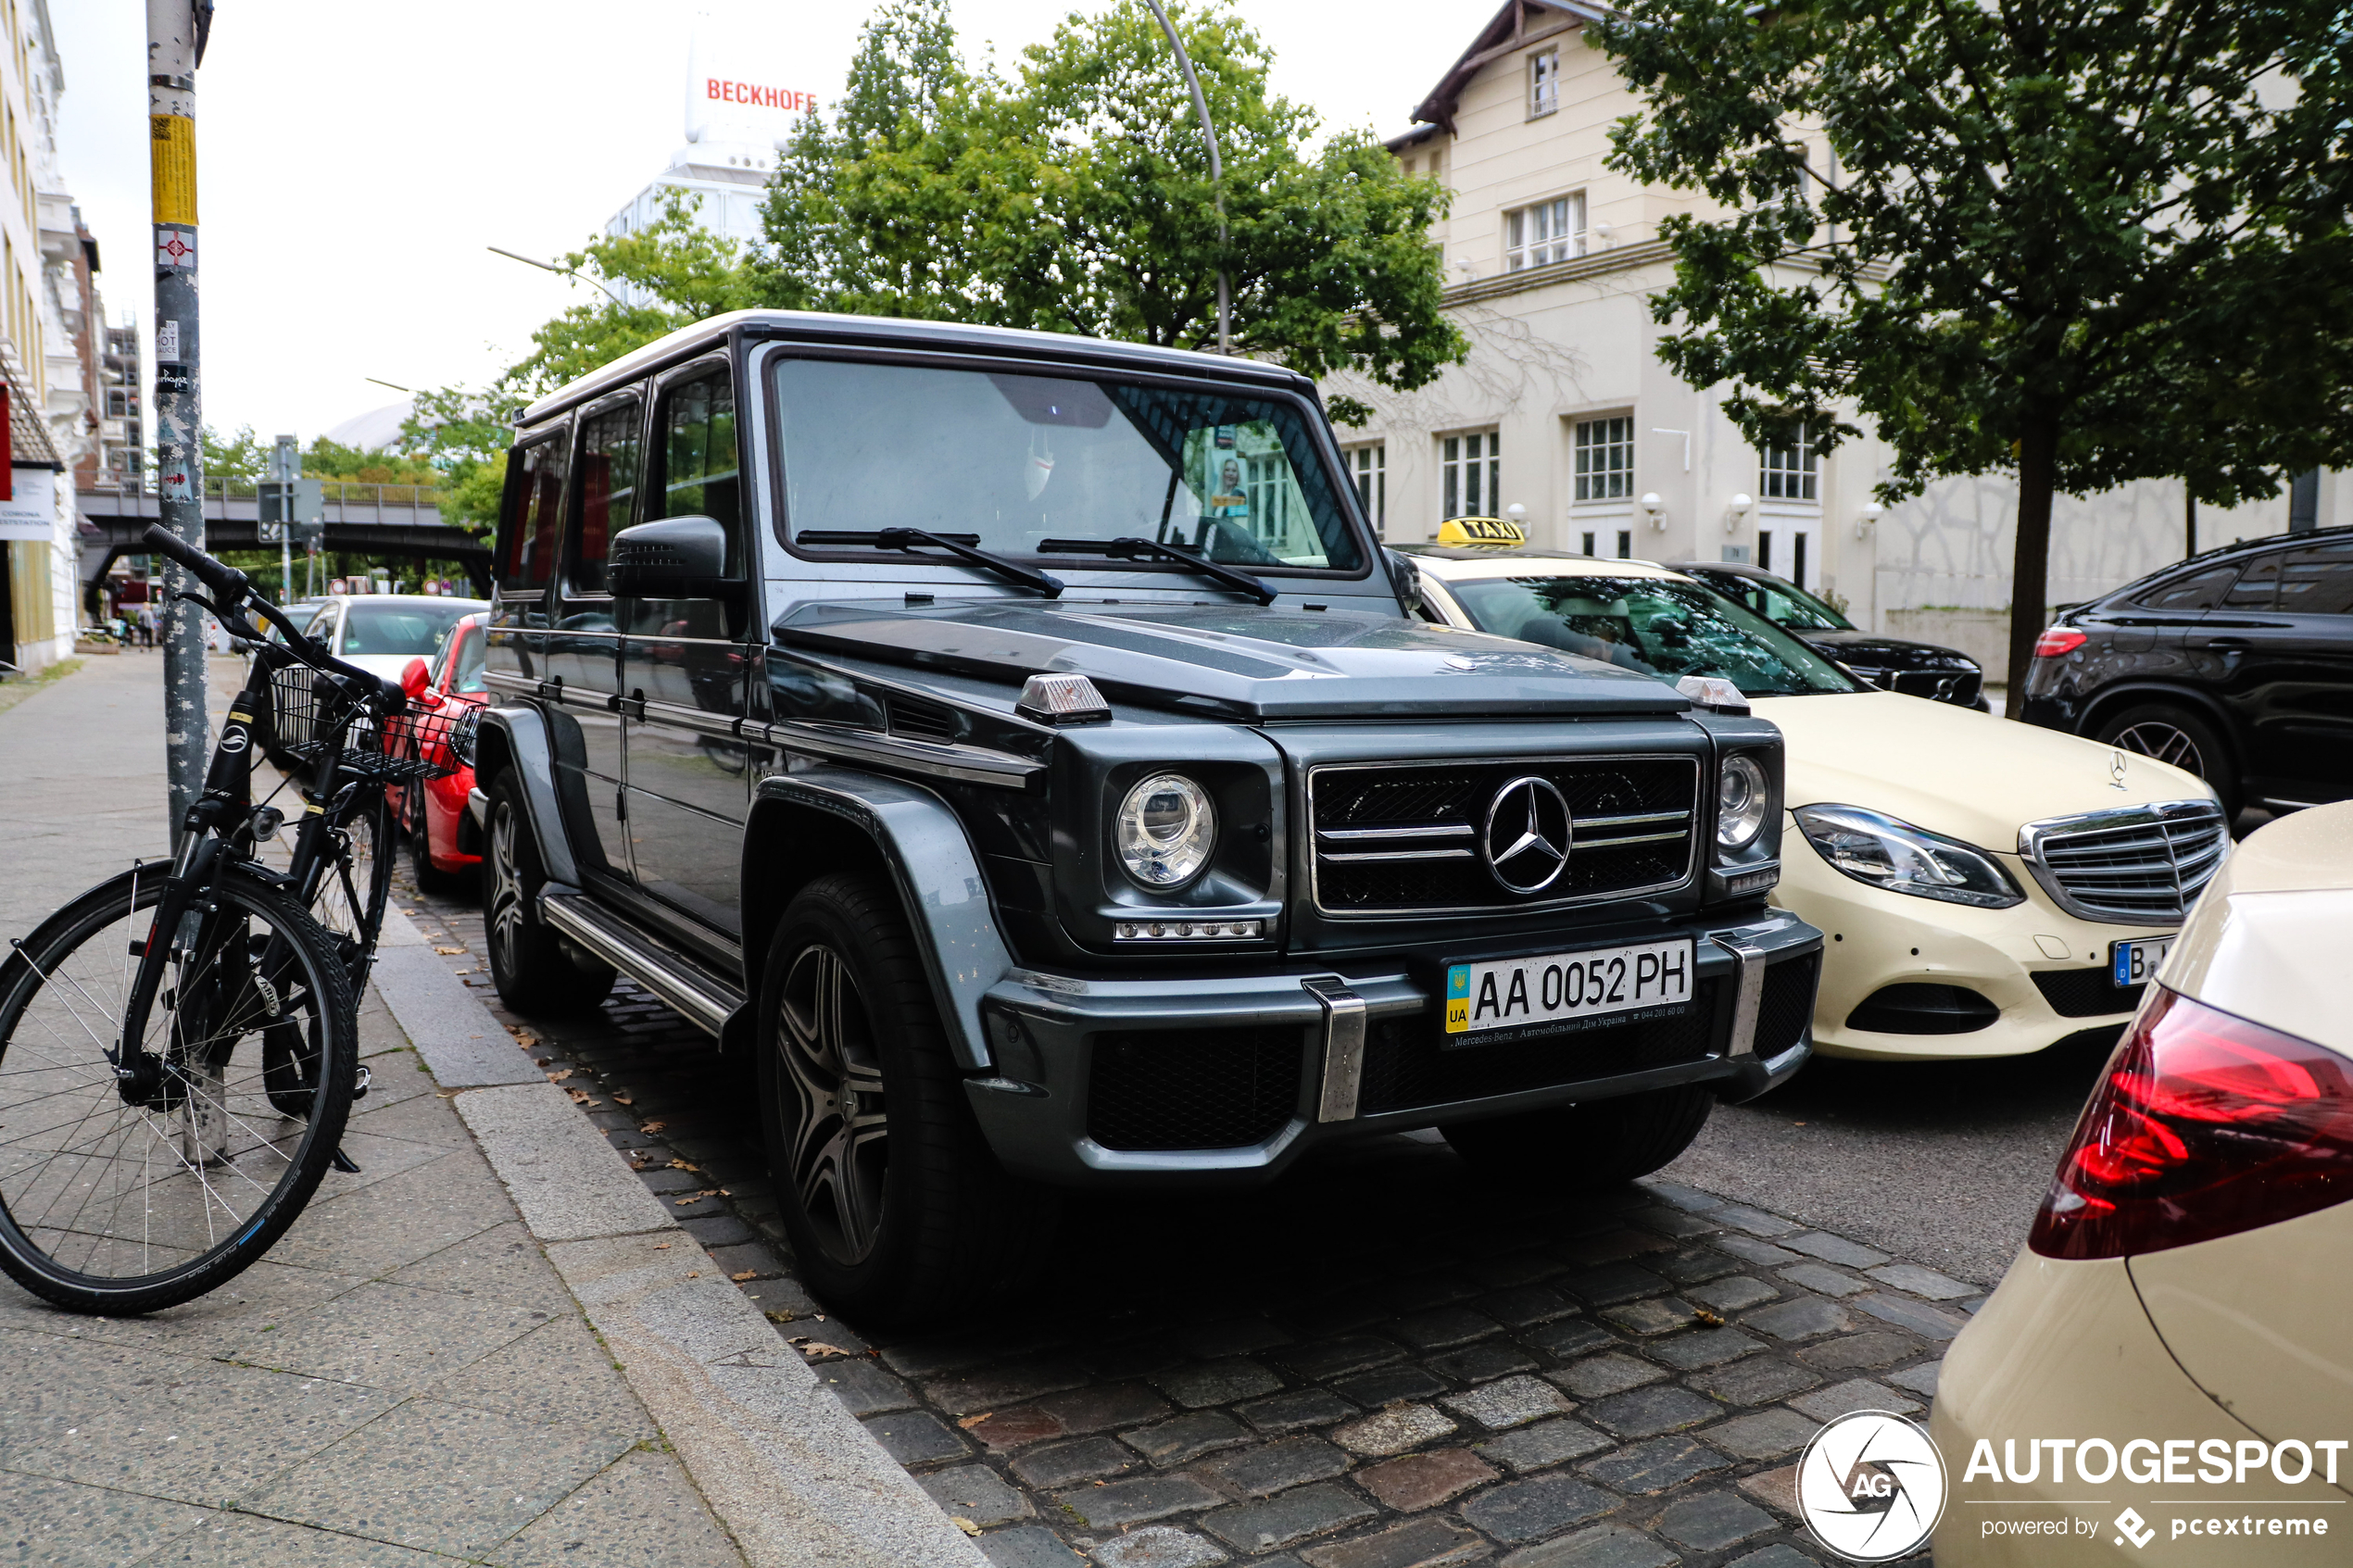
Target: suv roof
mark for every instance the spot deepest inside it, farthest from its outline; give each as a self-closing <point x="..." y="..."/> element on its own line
<point x="2219" y="554"/>
<point x="880" y="331"/>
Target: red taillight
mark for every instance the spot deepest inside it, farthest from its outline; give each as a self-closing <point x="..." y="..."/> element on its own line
<point x="2203" y="1125"/>
<point x="2057" y="641"/>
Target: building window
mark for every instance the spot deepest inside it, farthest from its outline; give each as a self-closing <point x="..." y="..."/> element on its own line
<point x="1370" y="467"/>
<point x="1604" y="458"/>
<point x="1791" y="470"/>
<point x="1589" y="541"/>
<point x="1543" y="82"/>
<point x="1474" y="473"/>
<point x="1552" y="230"/>
<point x="1625" y="544"/>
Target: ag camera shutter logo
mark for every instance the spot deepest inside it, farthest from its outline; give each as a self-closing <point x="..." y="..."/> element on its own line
<point x="1872" y="1486"/>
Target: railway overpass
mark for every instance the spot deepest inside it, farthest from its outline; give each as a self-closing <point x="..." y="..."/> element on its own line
<point x="380" y="520"/>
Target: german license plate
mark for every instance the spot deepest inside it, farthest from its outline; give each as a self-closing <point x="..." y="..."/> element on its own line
<point x="2137" y="961"/>
<point x="1511" y="997"/>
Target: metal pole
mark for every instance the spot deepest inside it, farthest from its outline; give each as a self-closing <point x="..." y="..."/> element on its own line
<point x="1216" y="177"/>
<point x="173" y="45"/>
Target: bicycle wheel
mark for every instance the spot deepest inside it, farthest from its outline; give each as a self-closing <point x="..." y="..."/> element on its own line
<point x="121" y="1200"/>
<point x="356" y="881"/>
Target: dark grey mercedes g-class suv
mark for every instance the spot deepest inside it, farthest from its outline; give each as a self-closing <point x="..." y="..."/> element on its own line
<point x="1017" y="751"/>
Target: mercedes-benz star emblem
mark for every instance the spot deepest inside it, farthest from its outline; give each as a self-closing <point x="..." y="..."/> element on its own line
<point x="1527" y="835"/>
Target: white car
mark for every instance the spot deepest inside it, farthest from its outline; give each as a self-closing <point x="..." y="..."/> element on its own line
<point x="2178" y="1317"/>
<point x="381" y="633"/>
<point x="1984" y="888"/>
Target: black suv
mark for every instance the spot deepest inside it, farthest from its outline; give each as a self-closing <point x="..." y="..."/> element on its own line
<point x="2236" y="664"/>
<point x="1017" y="750"/>
<point x="1893" y="664"/>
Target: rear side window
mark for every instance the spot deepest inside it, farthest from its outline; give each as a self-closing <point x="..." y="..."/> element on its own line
<point x="534" y="514"/>
<point x="607" y="494"/>
<point x="2318" y="580"/>
<point x="2202" y="589"/>
<point x="699" y="475"/>
<point x="2258" y="588"/>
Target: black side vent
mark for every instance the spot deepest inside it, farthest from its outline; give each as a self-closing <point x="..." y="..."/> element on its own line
<point x="918" y="720"/>
<point x="2086" y="993"/>
<point x="1916" y="1008"/>
<point x="1187" y="1088"/>
<point x="1785" y="1010"/>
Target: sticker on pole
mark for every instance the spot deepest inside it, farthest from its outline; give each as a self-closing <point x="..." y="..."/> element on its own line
<point x="175" y="247"/>
<point x="1872" y="1486"/>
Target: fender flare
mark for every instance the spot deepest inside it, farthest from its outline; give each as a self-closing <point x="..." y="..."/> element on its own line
<point x="517" y="738"/>
<point x="924" y="846"/>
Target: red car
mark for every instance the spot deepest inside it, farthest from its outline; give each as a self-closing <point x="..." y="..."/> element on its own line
<point x="444" y="843"/>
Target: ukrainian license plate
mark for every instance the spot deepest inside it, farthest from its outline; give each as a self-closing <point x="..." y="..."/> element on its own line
<point x="1511" y="998"/>
<point x="2137" y="962"/>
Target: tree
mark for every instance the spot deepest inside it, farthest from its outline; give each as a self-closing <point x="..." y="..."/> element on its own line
<point x="1077" y="198"/>
<point x="2089" y="244"/>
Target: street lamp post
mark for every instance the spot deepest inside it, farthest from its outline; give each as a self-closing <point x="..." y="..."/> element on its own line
<point x="1216" y="177"/>
<point x="549" y="267"/>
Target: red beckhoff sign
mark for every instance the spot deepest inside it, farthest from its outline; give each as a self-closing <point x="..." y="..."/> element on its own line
<point x="752" y="92"/>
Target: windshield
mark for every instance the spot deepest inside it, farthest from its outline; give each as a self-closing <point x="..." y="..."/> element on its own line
<point x="1653" y="625"/>
<point x="1784" y="603"/>
<point x="1009" y="461"/>
<point x="469" y="649"/>
<point x="409" y="626"/>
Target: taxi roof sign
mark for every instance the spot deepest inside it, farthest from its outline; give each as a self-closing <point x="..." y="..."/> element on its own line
<point x="1493" y="532"/>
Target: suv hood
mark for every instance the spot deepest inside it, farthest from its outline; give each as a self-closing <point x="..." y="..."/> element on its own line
<point x="1955" y="771"/>
<point x="1240" y="661"/>
<point x="1886" y="653"/>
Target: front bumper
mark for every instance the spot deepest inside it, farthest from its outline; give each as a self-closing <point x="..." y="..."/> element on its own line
<point x="1876" y="939"/>
<point x="1228" y="1079"/>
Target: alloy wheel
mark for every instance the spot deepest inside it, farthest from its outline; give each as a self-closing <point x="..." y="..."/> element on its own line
<point x="2166" y="743"/>
<point x="839" y="1127"/>
<point x="506" y="912"/>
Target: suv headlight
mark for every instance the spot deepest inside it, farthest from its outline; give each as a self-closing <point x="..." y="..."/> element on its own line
<point x="1878" y="850"/>
<point x="1165" y="832"/>
<point x="1744" y="799"/>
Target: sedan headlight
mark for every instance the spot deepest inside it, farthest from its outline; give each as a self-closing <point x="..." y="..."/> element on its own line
<point x="1876" y="849"/>
<point x="1165" y="832"/>
<point x="1744" y="797"/>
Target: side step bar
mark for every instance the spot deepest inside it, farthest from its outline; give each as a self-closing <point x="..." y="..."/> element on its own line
<point x="688" y="983"/>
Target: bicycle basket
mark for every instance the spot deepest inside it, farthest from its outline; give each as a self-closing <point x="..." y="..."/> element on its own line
<point x="306" y="716"/>
<point x="425" y="743"/>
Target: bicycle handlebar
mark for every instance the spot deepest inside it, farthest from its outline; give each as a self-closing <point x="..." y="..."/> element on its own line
<point x="235" y="591"/>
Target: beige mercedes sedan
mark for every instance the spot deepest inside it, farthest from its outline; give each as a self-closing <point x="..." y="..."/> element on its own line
<point x="1985" y="888"/>
<point x="2166" y="1374"/>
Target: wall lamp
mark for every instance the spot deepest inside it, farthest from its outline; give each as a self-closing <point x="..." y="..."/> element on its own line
<point x="1737" y="513"/>
<point x="1654" y="510"/>
<point x="1872" y="511"/>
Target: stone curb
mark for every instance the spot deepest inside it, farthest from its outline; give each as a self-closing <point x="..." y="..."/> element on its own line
<point x="781" y="1462"/>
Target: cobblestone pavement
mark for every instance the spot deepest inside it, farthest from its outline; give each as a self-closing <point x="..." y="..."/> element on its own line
<point x="1378" y="1363"/>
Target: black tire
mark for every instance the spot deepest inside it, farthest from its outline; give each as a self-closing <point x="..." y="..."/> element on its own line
<point x="536" y="971"/>
<point x="357" y="882"/>
<point x="412" y="827"/>
<point x="1605" y="1143"/>
<point x="920" y="1220"/>
<point x="2178" y="736"/>
<point x="265" y="997"/>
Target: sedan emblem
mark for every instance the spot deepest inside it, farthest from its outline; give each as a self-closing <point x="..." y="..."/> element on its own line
<point x="2116" y="770"/>
<point x="1456" y="661"/>
<point x="1527" y="835"/>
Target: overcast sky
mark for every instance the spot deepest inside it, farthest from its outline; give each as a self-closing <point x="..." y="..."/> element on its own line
<point x="353" y="160"/>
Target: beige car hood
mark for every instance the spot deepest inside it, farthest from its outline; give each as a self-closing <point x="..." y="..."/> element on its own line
<point x="1954" y="770"/>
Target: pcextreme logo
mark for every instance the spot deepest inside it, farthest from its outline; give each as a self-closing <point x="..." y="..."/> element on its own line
<point x="1871" y="1487"/>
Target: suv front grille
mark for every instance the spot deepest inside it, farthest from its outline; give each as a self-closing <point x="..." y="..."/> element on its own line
<point x="2136" y="865"/>
<point x="1394" y="838"/>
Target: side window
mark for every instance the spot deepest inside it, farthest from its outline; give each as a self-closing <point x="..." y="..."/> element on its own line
<point x="2258" y="588"/>
<point x="699" y="475"/>
<point x="534" y="509"/>
<point x="2318" y="580"/>
<point x="607" y="494"/>
<point x="2202" y="589"/>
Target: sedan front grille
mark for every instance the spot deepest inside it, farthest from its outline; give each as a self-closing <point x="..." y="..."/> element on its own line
<point x="1394" y="838"/>
<point x="2135" y="865"/>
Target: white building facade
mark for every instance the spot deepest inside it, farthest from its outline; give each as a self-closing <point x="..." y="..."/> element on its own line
<point x="1564" y="407"/>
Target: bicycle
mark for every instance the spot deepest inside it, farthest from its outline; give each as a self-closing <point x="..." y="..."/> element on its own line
<point x="179" y="1045"/>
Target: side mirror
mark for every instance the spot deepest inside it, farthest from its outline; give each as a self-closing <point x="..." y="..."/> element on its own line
<point x="1406" y="578"/>
<point x="677" y="557"/>
<point x="413" y="679"/>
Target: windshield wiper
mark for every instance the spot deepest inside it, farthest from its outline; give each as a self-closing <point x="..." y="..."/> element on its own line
<point x="1142" y="549"/>
<point x="957" y="545"/>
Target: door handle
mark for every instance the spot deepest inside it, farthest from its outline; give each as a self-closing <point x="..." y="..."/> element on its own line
<point x="2229" y="645"/>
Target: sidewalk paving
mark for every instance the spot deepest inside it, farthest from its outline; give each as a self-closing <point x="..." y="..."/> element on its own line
<point x="404" y="1381"/>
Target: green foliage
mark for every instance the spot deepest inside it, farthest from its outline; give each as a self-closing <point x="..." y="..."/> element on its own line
<point x="1077" y="198"/>
<point x="2093" y="243"/>
<point x="241" y="457"/>
<point x="331" y="459"/>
